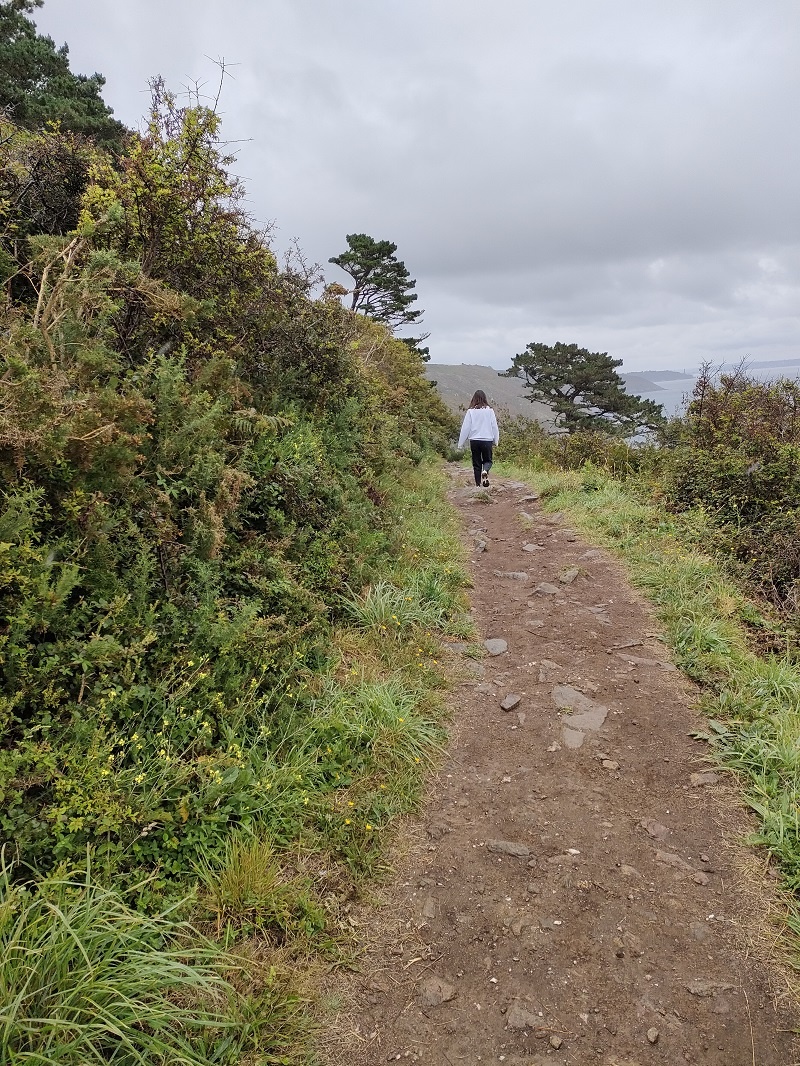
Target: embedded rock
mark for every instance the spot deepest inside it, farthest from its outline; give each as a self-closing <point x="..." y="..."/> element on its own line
<point x="434" y="991"/>
<point x="508" y="847"/>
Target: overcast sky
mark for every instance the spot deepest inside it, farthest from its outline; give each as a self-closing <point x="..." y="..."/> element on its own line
<point x="622" y="174"/>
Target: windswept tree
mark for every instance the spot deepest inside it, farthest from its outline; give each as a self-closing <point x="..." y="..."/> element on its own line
<point x="37" y="86"/>
<point x="583" y="389"/>
<point x="382" y="285"/>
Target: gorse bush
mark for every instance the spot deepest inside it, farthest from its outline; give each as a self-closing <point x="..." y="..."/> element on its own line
<point x="195" y="460"/>
<point x="738" y="458"/>
<point x="211" y="474"/>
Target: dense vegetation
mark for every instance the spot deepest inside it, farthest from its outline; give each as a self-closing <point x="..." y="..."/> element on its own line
<point x="219" y="605"/>
<point x="731" y="462"/>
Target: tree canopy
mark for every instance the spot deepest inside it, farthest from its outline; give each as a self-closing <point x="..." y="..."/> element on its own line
<point x="583" y="388"/>
<point x="381" y="284"/>
<point x="37" y="86"/>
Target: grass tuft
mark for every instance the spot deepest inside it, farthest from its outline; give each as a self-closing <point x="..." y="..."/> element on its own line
<point x="85" y="978"/>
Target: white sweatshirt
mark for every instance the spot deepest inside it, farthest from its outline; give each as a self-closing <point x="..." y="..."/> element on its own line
<point x="479" y="424"/>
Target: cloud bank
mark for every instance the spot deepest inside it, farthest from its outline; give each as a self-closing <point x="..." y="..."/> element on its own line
<point x="621" y="175"/>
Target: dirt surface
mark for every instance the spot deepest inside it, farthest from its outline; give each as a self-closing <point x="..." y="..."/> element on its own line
<point x="572" y="899"/>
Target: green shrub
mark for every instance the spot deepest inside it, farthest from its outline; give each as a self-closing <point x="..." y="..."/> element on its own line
<point x="525" y="440"/>
<point x="738" y="458"/>
<point x="195" y="461"/>
<point x="249" y="889"/>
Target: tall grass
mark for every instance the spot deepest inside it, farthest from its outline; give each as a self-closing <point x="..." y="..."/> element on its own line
<point x="390" y="609"/>
<point x="84" y="978"/>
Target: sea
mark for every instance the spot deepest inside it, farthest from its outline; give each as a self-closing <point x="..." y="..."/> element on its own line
<point x="676" y="392"/>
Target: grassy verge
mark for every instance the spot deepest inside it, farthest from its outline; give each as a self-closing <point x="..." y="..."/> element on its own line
<point x="329" y="763"/>
<point x="752" y="701"/>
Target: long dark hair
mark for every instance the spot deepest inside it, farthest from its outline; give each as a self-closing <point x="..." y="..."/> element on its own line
<point x="479" y="400"/>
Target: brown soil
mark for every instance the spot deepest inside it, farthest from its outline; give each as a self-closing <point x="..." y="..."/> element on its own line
<point x="614" y="935"/>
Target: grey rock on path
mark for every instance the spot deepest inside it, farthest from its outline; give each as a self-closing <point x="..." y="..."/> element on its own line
<point x="519" y="1017"/>
<point x="589" y="714"/>
<point x="434" y="991"/>
<point x="509" y="847"/>
<point x="510" y="702"/>
<point x="544" y="588"/>
<point x="704" y="777"/>
<point x="496" y="645"/>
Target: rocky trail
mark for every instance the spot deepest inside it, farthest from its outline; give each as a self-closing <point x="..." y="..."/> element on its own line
<point x="575" y="897"/>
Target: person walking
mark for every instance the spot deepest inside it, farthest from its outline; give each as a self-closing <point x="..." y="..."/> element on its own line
<point x="480" y="429"/>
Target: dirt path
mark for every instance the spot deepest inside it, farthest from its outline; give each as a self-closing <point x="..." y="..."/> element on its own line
<point x="572" y="900"/>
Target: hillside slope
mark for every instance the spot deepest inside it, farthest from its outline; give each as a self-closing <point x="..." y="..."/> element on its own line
<point x="456" y="384"/>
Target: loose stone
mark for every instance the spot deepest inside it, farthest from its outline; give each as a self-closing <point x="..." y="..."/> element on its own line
<point x="669" y="859"/>
<point x="573" y="738"/>
<point x="548" y="670"/>
<point x="546" y="589"/>
<point x="496" y="645"/>
<point x="513" y="575"/>
<point x="629" y="871"/>
<point x="429" y="908"/>
<point x="508" y="847"/>
<point x="704" y="988"/>
<point x="510" y="702"/>
<point x="654" y="829"/>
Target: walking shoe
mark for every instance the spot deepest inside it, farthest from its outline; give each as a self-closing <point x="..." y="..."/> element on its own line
<point x="485" y="480"/>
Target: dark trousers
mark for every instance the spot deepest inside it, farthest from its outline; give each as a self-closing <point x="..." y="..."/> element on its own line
<point x="481" y="457"/>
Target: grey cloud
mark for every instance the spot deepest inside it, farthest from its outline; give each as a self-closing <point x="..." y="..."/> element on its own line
<point x="619" y="174"/>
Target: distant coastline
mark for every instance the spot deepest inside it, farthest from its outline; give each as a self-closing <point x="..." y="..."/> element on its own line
<point x="456" y="382"/>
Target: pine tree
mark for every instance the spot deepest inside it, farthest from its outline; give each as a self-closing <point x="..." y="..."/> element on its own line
<point x="37" y="86"/>
<point x="584" y="389"/>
